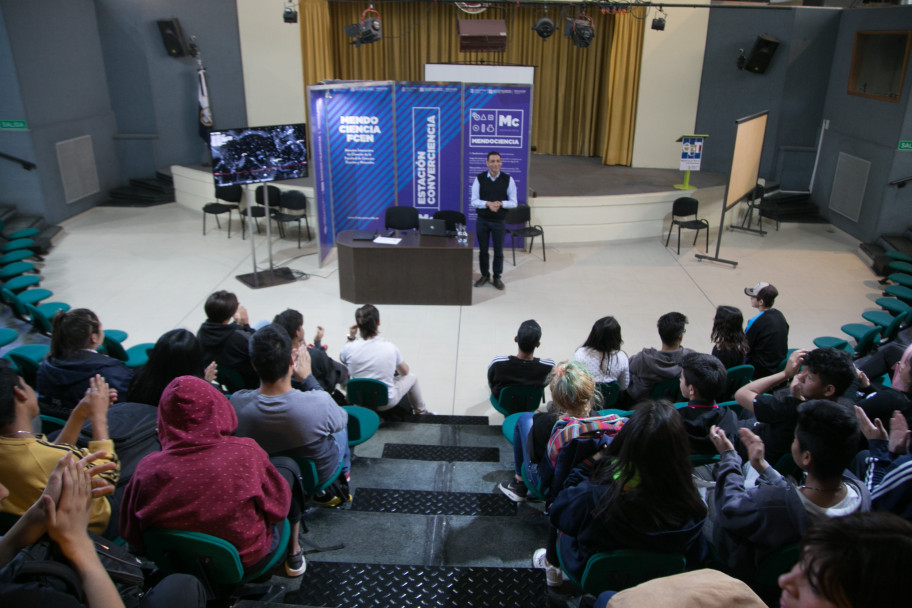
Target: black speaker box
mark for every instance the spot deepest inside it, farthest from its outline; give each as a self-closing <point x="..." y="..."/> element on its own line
<point x="173" y="37"/>
<point x="761" y="54"/>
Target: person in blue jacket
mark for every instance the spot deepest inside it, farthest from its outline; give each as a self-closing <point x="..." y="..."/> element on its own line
<point x="73" y="360"/>
<point x="887" y="463"/>
<point x="639" y="496"/>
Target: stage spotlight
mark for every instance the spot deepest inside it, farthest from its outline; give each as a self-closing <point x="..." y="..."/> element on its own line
<point x="367" y="30"/>
<point x="581" y="32"/>
<point x="658" y="23"/>
<point x="544" y="27"/>
<point x="290" y="14"/>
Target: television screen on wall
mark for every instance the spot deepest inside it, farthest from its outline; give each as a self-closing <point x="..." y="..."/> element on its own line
<point x="258" y="154"/>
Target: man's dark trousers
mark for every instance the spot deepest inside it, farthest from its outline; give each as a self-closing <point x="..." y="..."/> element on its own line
<point x="494" y="229"/>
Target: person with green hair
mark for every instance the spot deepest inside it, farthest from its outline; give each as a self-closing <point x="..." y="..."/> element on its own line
<point x="572" y="395"/>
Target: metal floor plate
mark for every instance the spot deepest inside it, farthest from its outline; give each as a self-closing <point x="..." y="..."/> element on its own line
<point x="465" y="420"/>
<point x="372" y="585"/>
<point x="422" y="502"/>
<point x="446" y="453"/>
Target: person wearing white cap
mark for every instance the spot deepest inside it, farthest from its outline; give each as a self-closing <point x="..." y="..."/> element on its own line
<point x="767" y="332"/>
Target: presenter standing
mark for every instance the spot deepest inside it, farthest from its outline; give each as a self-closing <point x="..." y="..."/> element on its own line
<point x="493" y="192"/>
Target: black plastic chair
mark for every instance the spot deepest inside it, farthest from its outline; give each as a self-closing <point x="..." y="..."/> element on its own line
<point x="401" y="218"/>
<point x="232" y="197"/>
<point x="259" y="210"/>
<point x="450" y="218"/>
<point x="522" y="214"/>
<point x="295" y="201"/>
<point x="685" y="207"/>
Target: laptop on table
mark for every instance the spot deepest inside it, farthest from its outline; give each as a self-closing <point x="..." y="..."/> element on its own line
<point x="432" y="227"/>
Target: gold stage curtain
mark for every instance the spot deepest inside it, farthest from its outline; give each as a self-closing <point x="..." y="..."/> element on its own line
<point x="316" y="41"/>
<point x="584" y="100"/>
<point x="616" y="137"/>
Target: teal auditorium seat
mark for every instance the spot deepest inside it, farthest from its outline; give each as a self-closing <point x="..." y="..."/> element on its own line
<point x="368" y="393"/>
<point x="133" y="357"/>
<point x="15" y="269"/>
<point x="21" y="282"/>
<point x="362" y="424"/>
<point x="623" y="569"/>
<point x="901" y="279"/>
<point x="509" y="425"/>
<point x="892" y="305"/>
<point x="26" y="359"/>
<point x="41" y="316"/>
<point x="667" y="389"/>
<point x="735" y="378"/>
<point x="611" y="392"/>
<point x="889" y="324"/>
<point x="899" y="291"/>
<point x="7" y="336"/>
<point x="214" y="561"/>
<point x="17" y="244"/>
<point x="518" y="399"/>
<point x="898" y="255"/>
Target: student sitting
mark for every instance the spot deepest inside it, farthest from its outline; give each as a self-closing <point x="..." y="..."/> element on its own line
<point x="752" y="522"/>
<point x="729" y="341"/>
<point x="650" y="366"/>
<point x="640" y="496"/>
<point x="328" y="373"/>
<point x="73" y="360"/>
<point x="702" y="381"/>
<point x="888" y="463"/>
<point x="823" y="373"/>
<point x="176" y="353"/>
<point x="602" y="353"/>
<point x="856" y="561"/>
<point x="301" y="423"/>
<point x="27" y="458"/>
<point x="880" y="401"/>
<point x="224" y="336"/>
<point x="373" y="356"/>
<point x="63" y="512"/>
<point x="205" y="479"/>
<point x="572" y="394"/>
<point x="523" y="369"/>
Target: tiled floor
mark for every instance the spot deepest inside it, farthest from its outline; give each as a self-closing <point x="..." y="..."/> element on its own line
<point x="150" y="270"/>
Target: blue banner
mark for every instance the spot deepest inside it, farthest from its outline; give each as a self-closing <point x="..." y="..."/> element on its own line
<point x="414" y="144"/>
<point x="428" y="146"/>
<point x="359" y="126"/>
<point x="497" y="119"/>
<point x="319" y="160"/>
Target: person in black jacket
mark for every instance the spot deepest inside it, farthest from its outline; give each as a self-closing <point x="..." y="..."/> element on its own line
<point x="327" y="372"/>
<point x="702" y="381"/>
<point x="225" y="335"/>
<point x="493" y="192"/>
<point x="767" y="332"/>
<point x="73" y="360"/>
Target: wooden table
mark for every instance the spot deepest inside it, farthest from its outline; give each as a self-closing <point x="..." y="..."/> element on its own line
<point x="419" y="270"/>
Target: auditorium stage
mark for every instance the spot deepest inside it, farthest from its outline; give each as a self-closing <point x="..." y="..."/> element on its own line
<point x="576" y="199"/>
<point x="576" y="176"/>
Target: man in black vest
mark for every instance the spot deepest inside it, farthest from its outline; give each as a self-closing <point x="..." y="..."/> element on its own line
<point x="492" y="194"/>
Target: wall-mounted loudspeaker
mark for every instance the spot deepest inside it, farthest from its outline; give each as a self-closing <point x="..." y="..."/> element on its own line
<point x="761" y="54"/>
<point x="173" y="37"/>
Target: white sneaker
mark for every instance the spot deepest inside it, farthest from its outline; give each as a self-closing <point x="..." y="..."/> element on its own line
<point x="553" y="575"/>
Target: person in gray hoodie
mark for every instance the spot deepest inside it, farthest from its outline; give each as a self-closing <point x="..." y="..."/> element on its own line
<point x="650" y="366"/>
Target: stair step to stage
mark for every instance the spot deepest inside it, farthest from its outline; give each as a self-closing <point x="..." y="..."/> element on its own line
<point x="383" y="586"/>
<point x="425" y="502"/>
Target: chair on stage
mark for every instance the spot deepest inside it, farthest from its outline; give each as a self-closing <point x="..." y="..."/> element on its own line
<point x="683" y="208"/>
<point x="401" y="218"/>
